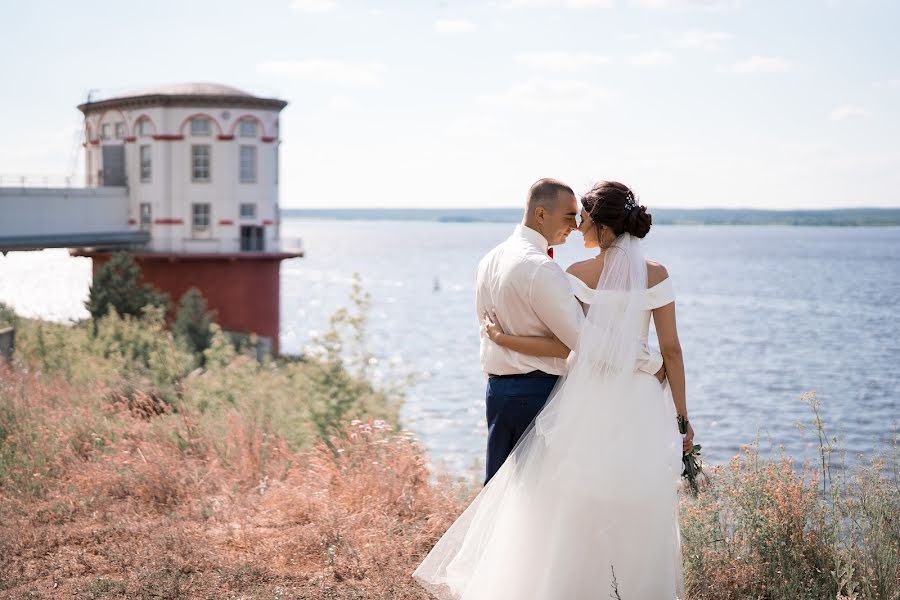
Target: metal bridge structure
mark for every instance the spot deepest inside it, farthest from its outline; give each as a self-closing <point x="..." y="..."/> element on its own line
<point x="39" y="212"/>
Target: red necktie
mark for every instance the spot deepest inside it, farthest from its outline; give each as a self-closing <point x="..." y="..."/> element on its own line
<point x="550" y="251"/>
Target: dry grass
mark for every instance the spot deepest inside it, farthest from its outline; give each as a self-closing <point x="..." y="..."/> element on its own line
<point x="134" y="504"/>
<point x="769" y="529"/>
<point x="124" y="476"/>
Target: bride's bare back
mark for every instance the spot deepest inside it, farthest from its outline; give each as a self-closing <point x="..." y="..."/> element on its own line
<point x="589" y="272"/>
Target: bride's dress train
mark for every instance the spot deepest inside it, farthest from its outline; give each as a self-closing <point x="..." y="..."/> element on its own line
<point x="586" y="504"/>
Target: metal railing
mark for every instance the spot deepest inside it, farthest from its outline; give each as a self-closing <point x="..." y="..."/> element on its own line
<point x="41" y="181"/>
<point x="53" y="181"/>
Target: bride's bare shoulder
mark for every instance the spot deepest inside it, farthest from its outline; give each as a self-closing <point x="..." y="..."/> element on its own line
<point x="656" y="273"/>
<point x="587" y="270"/>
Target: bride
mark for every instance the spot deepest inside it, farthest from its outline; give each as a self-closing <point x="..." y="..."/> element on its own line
<point x="586" y="505"/>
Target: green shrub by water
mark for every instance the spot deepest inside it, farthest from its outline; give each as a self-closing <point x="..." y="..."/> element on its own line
<point x="7" y="316"/>
<point x="118" y="285"/>
<point x="193" y="323"/>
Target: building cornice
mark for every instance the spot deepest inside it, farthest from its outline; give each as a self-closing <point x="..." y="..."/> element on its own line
<point x="183" y="100"/>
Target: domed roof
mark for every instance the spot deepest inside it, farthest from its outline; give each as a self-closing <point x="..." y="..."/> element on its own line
<point x="183" y="94"/>
<point x="187" y="89"/>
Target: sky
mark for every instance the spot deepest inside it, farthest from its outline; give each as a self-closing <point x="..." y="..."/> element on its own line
<point x="694" y="103"/>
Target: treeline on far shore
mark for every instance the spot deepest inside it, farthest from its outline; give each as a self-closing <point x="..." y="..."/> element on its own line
<point x="848" y="217"/>
<point x="851" y="217"/>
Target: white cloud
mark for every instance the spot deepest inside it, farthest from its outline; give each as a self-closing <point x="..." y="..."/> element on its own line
<point x="549" y="95"/>
<point x="651" y="59"/>
<point x="712" y="5"/>
<point x="849" y="111"/>
<point x="313" y="6"/>
<point x="375" y="12"/>
<point x="703" y="40"/>
<point x="454" y="26"/>
<point x="325" y="70"/>
<point x="761" y="64"/>
<point x="560" y="60"/>
<point x="559" y="3"/>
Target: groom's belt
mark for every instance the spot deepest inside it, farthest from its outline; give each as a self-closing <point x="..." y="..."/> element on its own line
<point x="530" y="374"/>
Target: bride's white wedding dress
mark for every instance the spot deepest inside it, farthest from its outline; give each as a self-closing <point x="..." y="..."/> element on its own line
<point x="586" y="504"/>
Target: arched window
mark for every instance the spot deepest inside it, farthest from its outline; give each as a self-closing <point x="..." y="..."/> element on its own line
<point x="144" y="127"/>
<point x="201" y="126"/>
<point x="248" y="129"/>
<point x="247" y="126"/>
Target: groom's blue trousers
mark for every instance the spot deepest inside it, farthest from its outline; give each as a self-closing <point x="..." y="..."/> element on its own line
<point x="513" y="401"/>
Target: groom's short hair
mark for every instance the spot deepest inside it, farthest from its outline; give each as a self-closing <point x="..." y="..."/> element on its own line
<point x="544" y="192"/>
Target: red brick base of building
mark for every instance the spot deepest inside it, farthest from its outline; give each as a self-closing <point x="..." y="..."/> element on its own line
<point x="244" y="289"/>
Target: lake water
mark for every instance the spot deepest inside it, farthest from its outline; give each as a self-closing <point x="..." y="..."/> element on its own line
<point x="764" y="314"/>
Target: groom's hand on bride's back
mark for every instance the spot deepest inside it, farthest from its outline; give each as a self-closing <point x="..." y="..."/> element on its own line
<point x="661" y="374"/>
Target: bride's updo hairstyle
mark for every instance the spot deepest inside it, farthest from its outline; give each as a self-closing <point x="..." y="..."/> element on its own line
<point x="613" y="204"/>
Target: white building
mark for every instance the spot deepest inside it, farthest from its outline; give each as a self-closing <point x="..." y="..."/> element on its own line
<point x="199" y="161"/>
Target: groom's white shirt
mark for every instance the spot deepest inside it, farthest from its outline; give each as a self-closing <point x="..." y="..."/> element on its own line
<point x="532" y="296"/>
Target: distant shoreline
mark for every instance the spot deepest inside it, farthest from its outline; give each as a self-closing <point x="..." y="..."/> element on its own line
<point x="849" y="217"/>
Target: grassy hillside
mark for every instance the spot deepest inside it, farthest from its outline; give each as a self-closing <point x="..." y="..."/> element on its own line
<point x="126" y="472"/>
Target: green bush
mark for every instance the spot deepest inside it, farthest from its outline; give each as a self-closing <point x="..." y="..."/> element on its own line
<point x="7" y="315"/>
<point x="54" y="348"/>
<point x="193" y="323"/>
<point x="117" y="285"/>
<point x="142" y="352"/>
<point x="301" y="399"/>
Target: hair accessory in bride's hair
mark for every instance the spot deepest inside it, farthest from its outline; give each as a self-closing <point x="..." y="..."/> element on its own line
<point x="630" y="204"/>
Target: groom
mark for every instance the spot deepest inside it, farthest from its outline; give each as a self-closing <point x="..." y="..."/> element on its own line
<point x="531" y="295"/>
